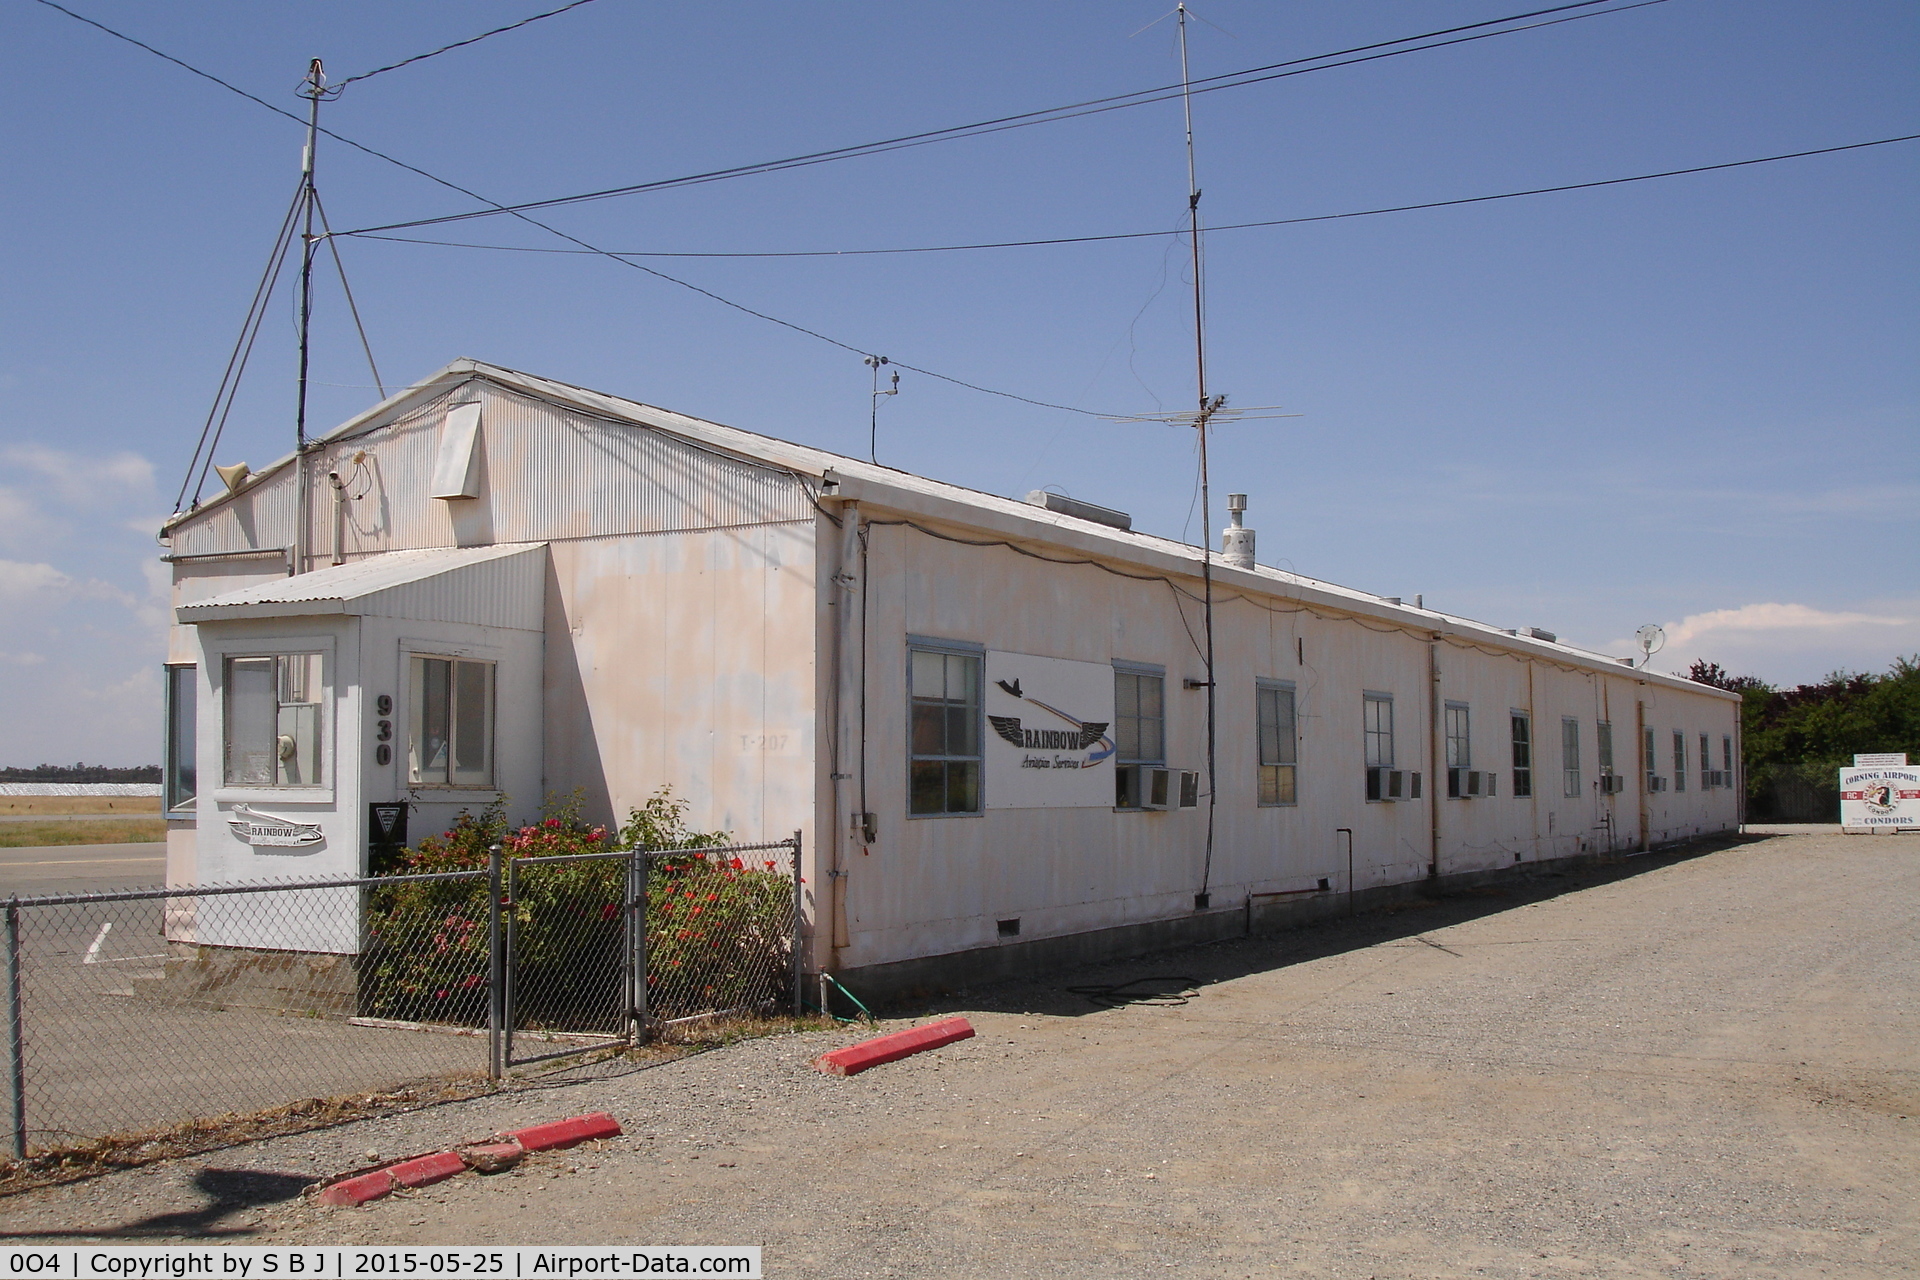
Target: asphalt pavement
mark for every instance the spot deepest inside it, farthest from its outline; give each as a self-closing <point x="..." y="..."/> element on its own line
<point x="81" y="868"/>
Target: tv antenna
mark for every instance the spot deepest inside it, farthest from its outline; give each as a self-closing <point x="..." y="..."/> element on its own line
<point x="873" y="411"/>
<point x="1650" y="638"/>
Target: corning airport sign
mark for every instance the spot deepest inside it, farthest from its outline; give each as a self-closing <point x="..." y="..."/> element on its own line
<point x="1050" y="721"/>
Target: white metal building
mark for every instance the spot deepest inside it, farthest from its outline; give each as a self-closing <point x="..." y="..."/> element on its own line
<point x="987" y="716"/>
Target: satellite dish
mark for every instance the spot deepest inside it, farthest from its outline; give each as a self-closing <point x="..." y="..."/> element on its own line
<point x="1650" y="638"/>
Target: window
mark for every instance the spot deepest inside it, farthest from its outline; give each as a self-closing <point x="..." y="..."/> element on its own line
<point x="450" y="742"/>
<point x="1570" y="754"/>
<point x="1459" y="747"/>
<point x="1379" y="730"/>
<point x="273" y="721"/>
<point x="1726" y="757"/>
<point x="1649" y="760"/>
<point x="1279" y="744"/>
<point x="1522" y="754"/>
<point x="179" y="774"/>
<point x="1603" y="748"/>
<point x="1139" y="730"/>
<point x="944" y="696"/>
<point x="1706" y="762"/>
<point x="1679" y="762"/>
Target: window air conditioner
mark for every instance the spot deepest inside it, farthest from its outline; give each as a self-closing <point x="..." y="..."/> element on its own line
<point x="1189" y="789"/>
<point x="1612" y="784"/>
<point x="1490" y="778"/>
<point x="1413" y="785"/>
<point x="1475" y="780"/>
<point x="1377" y="784"/>
<point x="1656" y="783"/>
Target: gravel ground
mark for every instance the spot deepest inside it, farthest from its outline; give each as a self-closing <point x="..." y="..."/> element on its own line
<point x="1694" y="1066"/>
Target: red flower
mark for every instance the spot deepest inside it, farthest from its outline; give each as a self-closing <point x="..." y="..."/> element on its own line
<point x="439" y="995"/>
<point x="551" y="822"/>
<point x="738" y="865"/>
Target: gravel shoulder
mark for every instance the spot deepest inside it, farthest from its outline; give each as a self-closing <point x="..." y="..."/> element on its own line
<point x="1675" y="1066"/>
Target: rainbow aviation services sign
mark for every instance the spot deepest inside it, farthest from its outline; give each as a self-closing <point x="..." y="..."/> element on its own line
<point x="1880" y="798"/>
<point x="1049" y="739"/>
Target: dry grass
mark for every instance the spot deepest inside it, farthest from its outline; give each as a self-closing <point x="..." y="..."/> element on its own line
<point x="79" y="804"/>
<point x="33" y="835"/>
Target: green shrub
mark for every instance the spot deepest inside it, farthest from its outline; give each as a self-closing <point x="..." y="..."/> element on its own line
<point x="718" y="930"/>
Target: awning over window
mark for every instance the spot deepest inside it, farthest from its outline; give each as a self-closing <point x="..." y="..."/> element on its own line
<point x="487" y="586"/>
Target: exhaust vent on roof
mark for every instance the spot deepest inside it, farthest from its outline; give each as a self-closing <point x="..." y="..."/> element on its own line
<point x="1540" y="633"/>
<point x="1080" y="510"/>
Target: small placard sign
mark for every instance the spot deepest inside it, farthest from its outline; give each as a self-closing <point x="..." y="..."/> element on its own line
<point x="387" y="823"/>
<point x="1880" y="760"/>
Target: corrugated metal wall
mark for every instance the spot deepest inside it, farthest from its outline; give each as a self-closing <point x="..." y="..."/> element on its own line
<point x="547" y="473"/>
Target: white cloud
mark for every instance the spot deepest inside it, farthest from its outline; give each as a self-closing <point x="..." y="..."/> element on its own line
<point x="22" y="659"/>
<point x="1787" y="644"/>
<point x="19" y="579"/>
<point x="1771" y="617"/>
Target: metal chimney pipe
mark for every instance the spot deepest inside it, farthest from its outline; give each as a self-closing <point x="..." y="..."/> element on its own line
<point x="1236" y="540"/>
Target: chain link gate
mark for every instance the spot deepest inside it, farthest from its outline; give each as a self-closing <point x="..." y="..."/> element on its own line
<point x="627" y="945"/>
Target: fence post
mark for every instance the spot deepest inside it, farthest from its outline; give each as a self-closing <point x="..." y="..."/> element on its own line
<point x="16" y="1037"/>
<point x="799" y="965"/>
<point x="639" y="872"/>
<point x="496" y="968"/>
<point x="509" y="960"/>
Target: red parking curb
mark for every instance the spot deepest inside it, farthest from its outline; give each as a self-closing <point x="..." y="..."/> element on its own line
<point x="891" y="1048"/>
<point x="426" y="1170"/>
<point x="565" y="1133"/>
<point x="356" y="1191"/>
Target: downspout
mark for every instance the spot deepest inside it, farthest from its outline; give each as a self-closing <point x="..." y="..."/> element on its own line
<point x="1646" y="767"/>
<point x="846" y="696"/>
<point x="339" y="517"/>
<point x="1433" y="757"/>
<point x="1740" y="757"/>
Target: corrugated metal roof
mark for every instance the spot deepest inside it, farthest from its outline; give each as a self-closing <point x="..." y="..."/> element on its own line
<point x="970" y="508"/>
<point x="503" y="586"/>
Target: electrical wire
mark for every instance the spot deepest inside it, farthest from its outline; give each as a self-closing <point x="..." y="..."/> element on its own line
<point x="1095" y="106"/>
<point x="338" y="85"/>
<point x="555" y="231"/>
<point x="1145" y="235"/>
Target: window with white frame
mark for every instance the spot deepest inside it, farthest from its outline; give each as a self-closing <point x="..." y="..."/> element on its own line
<point x="1522" y="730"/>
<point x="1726" y="756"/>
<point x="1139" y="730"/>
<point x="1706" y="762"/>
<point x="272" y="712"/>
<point x="180" y="777"/>
<point x="944" y="706"/>
<point x="1570" y="755"/>
<point x="1279" y="743"/>
<point x="1379" y="730"/>
<point x="1679" y="761"/>
<point x="1603" y="748"/>
<point x="1649" y="759"/>
<point x="450" y="722"/>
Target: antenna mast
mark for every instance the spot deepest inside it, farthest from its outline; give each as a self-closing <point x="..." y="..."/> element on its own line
<point x="1207" y="407"/>
<point x="312" y="89"/>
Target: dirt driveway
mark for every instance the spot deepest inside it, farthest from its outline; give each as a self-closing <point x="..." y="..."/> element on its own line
<point x="1704" y="1066"/>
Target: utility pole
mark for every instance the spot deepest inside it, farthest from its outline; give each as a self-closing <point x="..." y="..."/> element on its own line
<point x="313" y="89"/>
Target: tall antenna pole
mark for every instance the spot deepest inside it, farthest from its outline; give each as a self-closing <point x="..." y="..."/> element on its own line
<point x="1206" y="408"/>
<point x="313" y="89"/>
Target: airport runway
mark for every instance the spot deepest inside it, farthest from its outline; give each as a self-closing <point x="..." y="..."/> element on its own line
<point x="81" y="868"/>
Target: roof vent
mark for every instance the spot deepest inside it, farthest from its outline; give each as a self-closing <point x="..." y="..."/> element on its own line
<point x="1236" y="540"/>
<point x="1540" y="633"/>
<point x="1080" y="510"/>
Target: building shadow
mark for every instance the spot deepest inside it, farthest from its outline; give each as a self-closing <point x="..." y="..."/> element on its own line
<point x="1171" y="976"/>
<point x="228" y="1192"/>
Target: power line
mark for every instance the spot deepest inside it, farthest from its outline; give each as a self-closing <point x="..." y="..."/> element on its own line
<point x="1144" y="235"/>
<point x="457" y="44"/>
<point x="1095" y="106"/>
<point x="583" y="245"/>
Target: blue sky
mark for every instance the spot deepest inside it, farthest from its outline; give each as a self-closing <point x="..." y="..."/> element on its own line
<point x="1690" y="401"/>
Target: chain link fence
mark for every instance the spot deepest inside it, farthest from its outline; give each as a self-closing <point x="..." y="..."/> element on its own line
<point x="137" y="1011"/>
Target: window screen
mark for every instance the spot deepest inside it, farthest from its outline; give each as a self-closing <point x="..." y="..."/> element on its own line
<point x="1522" y="754"/>
<point x="1379" y="731"/>
<point x="1570" y="755"/>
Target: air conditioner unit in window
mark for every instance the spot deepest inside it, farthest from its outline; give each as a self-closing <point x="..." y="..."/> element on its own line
<point x="1612" y="784"/>
<point x="1189" y="789"/>
<point x="1377" y="784"/>
<point x="1464" y="784"/>
<point x="1490" y="779"/>
<point x="1476" y="780"/>
<point x="1158" y="783"/>
<point x="1656" y="783"/>
<point x="1140" y="786"/>
<point x="1413" y="786"/>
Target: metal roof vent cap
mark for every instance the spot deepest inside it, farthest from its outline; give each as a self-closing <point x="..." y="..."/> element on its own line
<point x="1236" y="540"/>
<point x="1080" y="510"/>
